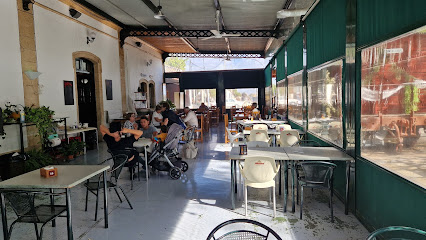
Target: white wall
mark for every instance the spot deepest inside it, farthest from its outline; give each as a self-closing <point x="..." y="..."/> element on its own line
<point x="57" y="37"/>
<point x="135" y="64"/>
<point x="11" y="84"/>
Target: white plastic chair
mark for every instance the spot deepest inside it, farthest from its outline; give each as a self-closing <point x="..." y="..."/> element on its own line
<point x="283" y="126"/>
<point x="288" y="138"/>
<point x="259" y="172"/>
<point x="259" y="135"/>
<point x="258" y="144"/>
<point x="260" y="127"/>
<point x="232" y="137"/>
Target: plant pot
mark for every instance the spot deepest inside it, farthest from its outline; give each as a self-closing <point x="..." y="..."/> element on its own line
<point x="70" y="157"/>
<point x="15" y="116"/>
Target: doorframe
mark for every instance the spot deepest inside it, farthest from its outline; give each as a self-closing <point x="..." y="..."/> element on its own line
<point x="97" y="71"/>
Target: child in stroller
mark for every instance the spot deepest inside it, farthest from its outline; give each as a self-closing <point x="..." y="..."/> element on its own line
<point x="164" y="156"/>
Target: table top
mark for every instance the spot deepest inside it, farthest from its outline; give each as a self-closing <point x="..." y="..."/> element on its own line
<point x="249" y="122"/>
<point x="274" y="132"/>
<point x="142" y="142"/>
<point x="68" y="176"/>
<point x="317" y="153"/>
<point x="277" y="153"/>
<point x="80" y="130"/>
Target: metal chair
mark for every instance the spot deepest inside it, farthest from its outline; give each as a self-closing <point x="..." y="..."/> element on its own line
<point x="242" y="232"/>
<point x="23" y="204"/>
<point x="128" y="152"/>
<point x="306" y="143"/>
<point x="316" y="174"/>
<point x="94" y="186"/>
<point x="382" y="233"/>
<point x="259" y="172"/>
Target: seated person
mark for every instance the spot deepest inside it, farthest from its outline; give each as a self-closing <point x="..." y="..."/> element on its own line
<point x="157" y="118"/>
<point x="191" y="119"/>
<point x="163" y="134"/>
<point x="149" y="131"/>
<point x="170" y="117"/>
<point x="117" y="143"/>
<point x="131" y="121"/>
<point x="203" y="108"/>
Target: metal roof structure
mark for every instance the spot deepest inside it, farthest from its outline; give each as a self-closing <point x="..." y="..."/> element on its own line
<point x="251" y="27"/>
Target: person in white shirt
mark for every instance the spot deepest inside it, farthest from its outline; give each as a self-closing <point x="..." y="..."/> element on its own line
<point x="191" y="118"/>
<point x="157" y="118"/>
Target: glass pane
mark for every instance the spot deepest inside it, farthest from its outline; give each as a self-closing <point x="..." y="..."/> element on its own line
<point x="295" y="98"/>
<point x="240" y="97"/>
<point x="194" y="97"/>
<point x="268" y="100"/>
<point x="393" y="104"/>
<point x="282" y="99"/>
<point x="325" y="102"/>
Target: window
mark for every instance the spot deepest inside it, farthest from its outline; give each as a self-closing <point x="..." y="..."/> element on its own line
<point x="393" y="105"/>
<point x="325" y="102"/>
<point x="194" y="97"/>
<point x="282" y="98"/>
<point x="295" y="98"/>
<point x="268" y="100"/>
<point x="240" y="97"/>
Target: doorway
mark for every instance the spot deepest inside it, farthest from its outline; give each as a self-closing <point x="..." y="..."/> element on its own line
<point x="86" y="92"/>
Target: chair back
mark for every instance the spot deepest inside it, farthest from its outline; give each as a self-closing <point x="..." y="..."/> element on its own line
<point x="240" y="230"/>
<point x="22" y="203"/>
<point x="288" y="137"/>
<point x="118" y="163"/>
<point x="283" y="127"/>
<point x="258" y="135"/>
<point x="306" y="143"/>
<point x="258" y="144"/>
<point x="260" y="127"/>
<point x="259" y="169"/>
<point x="397" y="232"/>
<point x="317" y="172"/>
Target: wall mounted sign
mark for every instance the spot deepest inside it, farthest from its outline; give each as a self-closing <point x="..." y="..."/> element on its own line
<point x="69" y="92"/>
<point x="108" y="86"/>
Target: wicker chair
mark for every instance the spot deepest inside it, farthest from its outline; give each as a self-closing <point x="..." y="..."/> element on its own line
<point x="241" y="232"/>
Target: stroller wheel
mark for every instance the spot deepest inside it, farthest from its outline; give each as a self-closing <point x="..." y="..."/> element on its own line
<point x="175" y="173"/>
<point x="184" y="166"/>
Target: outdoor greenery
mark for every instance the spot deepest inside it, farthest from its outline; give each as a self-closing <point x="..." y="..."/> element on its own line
<point x="411" y="99"/>
<point x="176" y="63"/>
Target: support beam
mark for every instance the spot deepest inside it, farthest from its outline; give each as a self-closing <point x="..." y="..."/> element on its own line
<point x="217" y="55"/>
<point x="136" y="32"/>
<point x="278" y="24"/>
<point x="99" y="12"/>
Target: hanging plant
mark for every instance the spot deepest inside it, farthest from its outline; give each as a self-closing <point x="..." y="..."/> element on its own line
<point x="411" y="99"/>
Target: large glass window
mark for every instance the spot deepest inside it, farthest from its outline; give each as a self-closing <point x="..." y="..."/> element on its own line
<point x="295" y="98"/>
<point x="393" y="105"/>
<point x="268" y="99"/>
<point x="240" y="97"/>
<point x="194" y="97"/>
<point x="282" y="98"/>
<point x="325" y="102"/>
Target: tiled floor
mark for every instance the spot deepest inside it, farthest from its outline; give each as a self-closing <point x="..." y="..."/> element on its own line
<point x="191" y="207"/>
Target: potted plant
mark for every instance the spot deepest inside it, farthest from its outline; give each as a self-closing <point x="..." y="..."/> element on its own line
<point x="42" y="118"/>
<point x="78" y="147"/>
<point x="68" y="151"/>
<point x="37" y="158"/>
<point x="171" y="104"/>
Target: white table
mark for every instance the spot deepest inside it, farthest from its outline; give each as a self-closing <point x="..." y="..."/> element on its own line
<point x="276" y="153"/>
<point x="68" y="177"/>
<point x="83" y="130"/>
<point x="320" y="154"/>
<point x="274" y="133"/>
<point x="144" y="143"/>
<point x="245" y="123"/>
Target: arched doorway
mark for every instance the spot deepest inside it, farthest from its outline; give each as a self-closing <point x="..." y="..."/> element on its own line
<point x="85" y="89"/>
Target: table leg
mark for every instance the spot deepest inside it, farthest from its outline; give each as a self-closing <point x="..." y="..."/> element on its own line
<point x="285" y="185"/>
<point x="235" y="176"/>
<point x="348" y="177"/>
<point x="232" y="185"/>
<point x="293" y="205"/>
<point x="146" y="165"/>
<point x="280" y="178"/>
<point x="84" y="140"/>
<point x="52" y="202"/>
<point x="3" y="216"/>
<point x="105" y="199"/>
<point x="97" y="139"/>
<point x="69" y="218"/>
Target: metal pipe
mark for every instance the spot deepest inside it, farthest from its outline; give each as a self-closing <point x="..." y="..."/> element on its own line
<point x="310" y="9"/>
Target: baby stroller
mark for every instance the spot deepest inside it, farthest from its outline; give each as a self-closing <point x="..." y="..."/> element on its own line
<point x="164" y="156"/>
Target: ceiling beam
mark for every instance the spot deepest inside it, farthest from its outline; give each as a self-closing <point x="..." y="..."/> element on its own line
<point x="100" y="12"/>
<point x="138" y="32"/>
<point x="219" y="17"/>
<point x="209" y="54"/>
<point x="155" y="10"/>
<point x="278" y="24"/>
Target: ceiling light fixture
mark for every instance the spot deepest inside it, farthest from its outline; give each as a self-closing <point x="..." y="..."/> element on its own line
<point x="159" y="15"/>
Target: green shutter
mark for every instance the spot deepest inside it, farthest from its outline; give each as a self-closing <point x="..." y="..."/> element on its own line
<point x="280" y="65"/>
<point x="379" y="20"/>
<point x="268" y="76"/>
<point x="295" y="51"/>
<point x="326" y="32"/>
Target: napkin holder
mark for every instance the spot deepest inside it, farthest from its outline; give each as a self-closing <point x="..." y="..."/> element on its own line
<point x="48" y="172"/>
<point x="243" y="149"/>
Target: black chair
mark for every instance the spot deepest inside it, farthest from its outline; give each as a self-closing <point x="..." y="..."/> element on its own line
<point x="398" y="232"/>
<point x="243" y="234"/>
<point x="316" y="174"/>
<point x="115" y="171"/>
<point x="306" y="143"/>
<point x="128" y="152"/>
<point x="23" y="204"/>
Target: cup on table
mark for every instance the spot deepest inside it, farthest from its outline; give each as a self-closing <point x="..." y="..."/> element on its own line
<point x="85" y="125"/>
